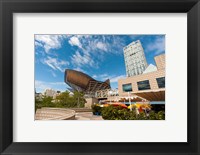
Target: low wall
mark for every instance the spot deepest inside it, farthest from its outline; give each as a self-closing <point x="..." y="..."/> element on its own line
<point x="54" y="114"/>
<point x="81" y="109"/>
<point x="90" y="102"/>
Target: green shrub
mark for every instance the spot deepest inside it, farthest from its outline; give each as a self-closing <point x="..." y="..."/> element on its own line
<point x="119" y="113"/>
<point x="96" y="109"/>
<point x="142" y="116"/>
<point x="157" y="116"/>
<point x="160" y="115"/>
<point x="152" y="115"/>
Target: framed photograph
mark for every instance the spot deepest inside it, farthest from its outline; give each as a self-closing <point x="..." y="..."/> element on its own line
<point x="99" y="77"/>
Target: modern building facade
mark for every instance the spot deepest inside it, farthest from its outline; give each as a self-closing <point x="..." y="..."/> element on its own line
<point x="49" y="92"/>
<point x="38" y="96"/>
<point x="150" y="85"/>
<point x="135" y="59"/>
<point x="160" y="61"/>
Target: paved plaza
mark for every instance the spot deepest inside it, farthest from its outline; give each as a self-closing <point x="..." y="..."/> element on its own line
<point x="87" y="116"/>
<point x="66" y="114"/>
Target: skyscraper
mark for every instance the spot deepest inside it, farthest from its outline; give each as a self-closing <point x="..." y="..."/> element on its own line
<point x="135" y="59"/>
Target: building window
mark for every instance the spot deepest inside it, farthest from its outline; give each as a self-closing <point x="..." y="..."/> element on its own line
<point x="143" y="85"/>
<point x="161" y="82"/>
<point x="127" y="87"/>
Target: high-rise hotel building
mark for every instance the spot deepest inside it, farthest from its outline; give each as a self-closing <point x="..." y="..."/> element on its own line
<point x="135" y="59"/>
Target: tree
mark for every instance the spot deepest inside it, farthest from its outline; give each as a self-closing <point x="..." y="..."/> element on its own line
<point x="45" y="101"/>
<point x="79" y="99"/>
<point x="64" y="100"/>
<point x="38" y="103"/>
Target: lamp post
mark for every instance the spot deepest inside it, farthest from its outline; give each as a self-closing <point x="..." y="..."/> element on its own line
<point x="110" y="92"/>
<point x="78" y="105"/>
<point x="129" y="101"/>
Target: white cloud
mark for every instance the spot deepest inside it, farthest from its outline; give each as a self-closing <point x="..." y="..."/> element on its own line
<point x="55" y="64"/>
<point x="92" y="49"/>
<point x="116" y="78"/>
<point x="38" y="44"/>
<point x="49" y="41"/>
<point x="101" y="46"/>
<point x="94" y="76"/>
<point x="112" y="78"/>
<point x="74" y="41"/>
<point x="158" y="46"/>
<point x="53" y="74"/>
<point x="104" y="76"/>
<point x="41" y="86"/>
<point x="80" y="70"/>
<point x="57" y="83"/>
<point x="136" y="37"/>
<point x="79" y="59"/>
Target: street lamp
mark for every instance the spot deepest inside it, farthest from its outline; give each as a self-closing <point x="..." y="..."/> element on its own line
<point x="110" y="93"/>
<point x="129" y="101"/>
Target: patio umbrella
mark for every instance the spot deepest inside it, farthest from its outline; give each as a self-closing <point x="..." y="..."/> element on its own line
<point x="106" y="105"/>
<point x="131" y="106"/>
<point x="119" y="104"/>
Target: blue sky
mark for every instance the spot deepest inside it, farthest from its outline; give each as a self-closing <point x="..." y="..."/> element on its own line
<point x="99" y="56"/>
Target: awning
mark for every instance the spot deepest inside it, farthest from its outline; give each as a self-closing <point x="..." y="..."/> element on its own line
<point x="152" y="95"/>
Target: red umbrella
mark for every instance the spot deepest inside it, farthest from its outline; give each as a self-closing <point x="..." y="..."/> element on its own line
<point x="120" y="104"/>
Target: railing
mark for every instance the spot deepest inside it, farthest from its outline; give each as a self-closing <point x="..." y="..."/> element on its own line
<point x="106" y="93"/>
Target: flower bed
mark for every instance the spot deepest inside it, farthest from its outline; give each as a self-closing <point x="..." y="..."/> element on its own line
<point x="133" y="112"/>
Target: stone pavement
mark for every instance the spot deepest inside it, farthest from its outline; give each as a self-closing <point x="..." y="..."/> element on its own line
<point x="87" y="116"/>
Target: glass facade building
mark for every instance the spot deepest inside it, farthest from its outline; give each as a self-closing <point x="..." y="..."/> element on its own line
<point x="135" y="59"/>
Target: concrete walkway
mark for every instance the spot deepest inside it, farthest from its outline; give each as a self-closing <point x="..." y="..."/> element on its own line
<point x="87" y="116"/>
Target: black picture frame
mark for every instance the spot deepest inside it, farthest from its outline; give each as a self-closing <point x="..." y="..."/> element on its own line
<point x="8" y="7"/>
